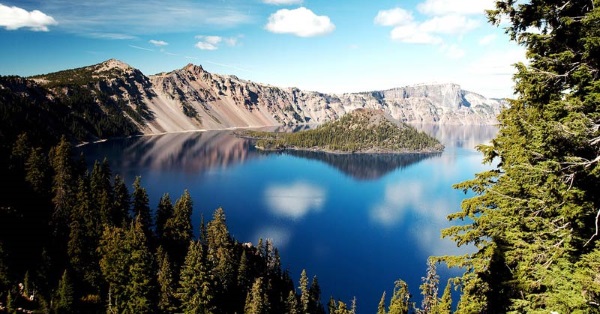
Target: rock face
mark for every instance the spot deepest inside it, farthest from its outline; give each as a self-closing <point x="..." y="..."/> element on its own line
<point x="192" y="98"/>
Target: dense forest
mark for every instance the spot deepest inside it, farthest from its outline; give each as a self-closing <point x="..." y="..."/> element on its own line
<point x="361" y="130"/>
<point x="74" y="240"/>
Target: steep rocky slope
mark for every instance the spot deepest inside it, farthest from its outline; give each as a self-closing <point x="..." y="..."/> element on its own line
<point x="192" y="98"/>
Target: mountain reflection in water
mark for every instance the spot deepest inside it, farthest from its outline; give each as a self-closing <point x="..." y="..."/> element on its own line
<point x="199" y="152"/>
<point x="364" y="166"/>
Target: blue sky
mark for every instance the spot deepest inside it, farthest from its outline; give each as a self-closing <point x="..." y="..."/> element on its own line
<point x="329" y="46"/>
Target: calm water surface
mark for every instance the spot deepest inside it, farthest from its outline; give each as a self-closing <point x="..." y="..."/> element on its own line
<point x="357" y="222"/>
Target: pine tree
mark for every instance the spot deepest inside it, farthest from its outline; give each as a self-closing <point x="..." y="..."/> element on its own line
<point x="256" y="301"/>
<point x="196" y="291"/>
<point x="64" y="181"/>
<point x="304" y="293"/>
<point x="177" y="232"/>
<point x="164" y="212"/>
<point x="101" y="190"/>
<point x="141" y="207"/>
<point x="65" y="295"/>
<point x="429" y="289"/>
<point x="534" y="217"/>
<point x="115" y="264"/>
<point x="445" y="305"/>
<point x="400" y="302"/>
<point x="220" y="253"/>
<point x="140" y="289"/>
<point x="381" y="306"/>
<point x="315" y="305"/>
<point x="166" y="283"/>
<point x="119" y="213"/>
<point x="292" y="305"/>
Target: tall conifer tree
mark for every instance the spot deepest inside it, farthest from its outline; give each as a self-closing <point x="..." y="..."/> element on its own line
<point x="534" y="219"/>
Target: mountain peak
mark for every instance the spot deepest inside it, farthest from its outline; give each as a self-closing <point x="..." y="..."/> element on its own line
<point x="112" y="64"/>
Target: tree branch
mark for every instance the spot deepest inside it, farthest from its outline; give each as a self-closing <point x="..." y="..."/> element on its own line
<point x="597" y="228"/>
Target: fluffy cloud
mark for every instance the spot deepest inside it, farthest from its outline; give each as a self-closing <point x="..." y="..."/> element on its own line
<point x="393" y="17"/>
<point x="300" y="22"/>
<point x="407" y="30"/>
<point x="13" y="18"/>
<point x="462" y="7"/>
<point x="413" y="34"/>
<point x="213" y="42"/>
<point x="282" y="2"/>
<point x="448" y="24"/>
<point x="158" y="43"/>
<point x="294" y="201"/>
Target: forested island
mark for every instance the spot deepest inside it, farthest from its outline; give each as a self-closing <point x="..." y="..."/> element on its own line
<point x="360" y="131"/>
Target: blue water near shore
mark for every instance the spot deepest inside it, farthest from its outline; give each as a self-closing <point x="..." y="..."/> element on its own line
<point x="358" y="222"/>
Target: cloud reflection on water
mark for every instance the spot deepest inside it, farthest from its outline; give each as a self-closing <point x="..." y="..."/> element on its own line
<point x="412" y="205"/>
<point x="294" y="200"/>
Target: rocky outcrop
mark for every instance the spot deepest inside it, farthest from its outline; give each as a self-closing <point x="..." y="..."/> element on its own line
<point x="192" y="98"/>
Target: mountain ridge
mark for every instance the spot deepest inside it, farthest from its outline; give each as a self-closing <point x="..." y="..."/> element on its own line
<point x="191" y="98"/>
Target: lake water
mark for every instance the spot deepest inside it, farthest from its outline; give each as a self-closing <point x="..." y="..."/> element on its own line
<point x="358" y="222"/>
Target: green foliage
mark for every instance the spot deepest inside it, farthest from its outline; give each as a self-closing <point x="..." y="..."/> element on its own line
<point x="533" y="218"/>
<point x="381" y="305"/>
<point x="65" y="296"/>
<point x="166" y="283"/>
<point x="141" y="207"/>
<point x="257" y="301"/>
<point x="359" y="131"/>
<point x="196" y="292"/>
<point x="401" y="299"/>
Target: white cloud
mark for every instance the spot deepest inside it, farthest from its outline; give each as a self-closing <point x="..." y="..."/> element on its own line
<point x="462" y="7"/>
<point x="488" y="39"/>
<point x="213" y="42"/>
<point x="13" y="18"/>
<point x="158" y="43"/>
<point x="143" y="17"/>
<point x="393" y="17"/>
<point x="407" y="30"/>
<point x="280" y="236"/>
<point x="413" y="34"/>
<point x="282" y="2"/>
<point x="295" y="200"/>
<point x="448" y="24"/>
<point x="491" y="74"/>
<point x="140" y="48"/>
<point x="300" y="22"/>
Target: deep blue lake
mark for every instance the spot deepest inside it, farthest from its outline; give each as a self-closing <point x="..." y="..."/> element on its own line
<point x="358" y="222"/>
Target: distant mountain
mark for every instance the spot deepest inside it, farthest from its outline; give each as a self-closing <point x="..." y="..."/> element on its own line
<point x="192" y="98"/>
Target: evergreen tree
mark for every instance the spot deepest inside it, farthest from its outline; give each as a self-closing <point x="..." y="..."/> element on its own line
<point x="166" y="283"/>
<point x="64" y="181"/>
<point x="101" y="191"/>
<point x="534" y="218"/>
<point x="141" y="207"/>
<point x="196" y="291"/>
<point x="445" y="305"/>
<point x="304" y="293"/>
<point x="315" y="305"/>
<point x="292" y="305"/>
<point x="220" y="253"/>
<point x="257" y="301"/>
<point x="121" y="203"/>
<point x="178" y="228"/>
<point x="140" y="289"/>
<point x="83" y="239"/>
<point x="115" y="264"/>
<point x="164" y="212"/>
<point x="429" y="289"/>
<point x="65" y="295"/>
<point x="381" y="305"/>
<point x="36" y="171"/>
<point x="400" y="302"/>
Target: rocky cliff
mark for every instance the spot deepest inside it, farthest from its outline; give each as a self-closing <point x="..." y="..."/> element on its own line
<point x="192" y="98"/>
